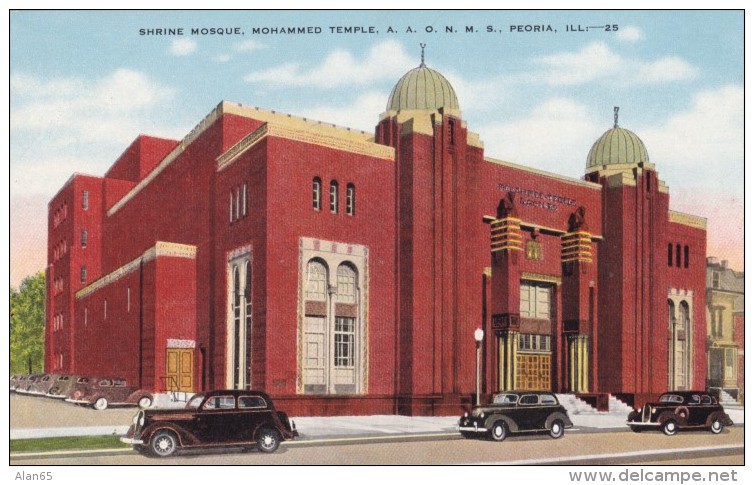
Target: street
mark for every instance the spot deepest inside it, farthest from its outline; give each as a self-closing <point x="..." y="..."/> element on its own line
<point x="614" y="447"/>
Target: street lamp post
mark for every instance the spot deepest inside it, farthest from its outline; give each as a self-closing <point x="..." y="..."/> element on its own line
<point x="478" y="336"/>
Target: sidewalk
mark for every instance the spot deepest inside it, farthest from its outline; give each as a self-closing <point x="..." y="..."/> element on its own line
<point x="311" y="427"/>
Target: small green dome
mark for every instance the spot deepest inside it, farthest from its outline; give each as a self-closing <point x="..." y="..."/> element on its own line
<point x="617" y="146"/>
<point x="422" y="88"/>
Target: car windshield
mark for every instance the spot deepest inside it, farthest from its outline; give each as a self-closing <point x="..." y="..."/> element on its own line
<point x="194" y="402"/>
<point x="671" y="398"/>
<point x="506" y="399"/>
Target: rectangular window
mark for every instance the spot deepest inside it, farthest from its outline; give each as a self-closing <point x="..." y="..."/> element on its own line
<point x="85" y="200"/>
<point x="715" y="279"/>
<point x="84" y="237"/>
<point x="230" y="211"/>
<point x="334" y="197"/>
<point x="128" y="299"/>
<point x="670" y="254"/>
<point x="105" y="310"/>
<point x="350" y="199"/>
<point x="678" y="255"/>
<point x="238" y="203"/>
<point x="344" y="341"/>
<point x="685" y="256"/>
<point x="83" y="275"/>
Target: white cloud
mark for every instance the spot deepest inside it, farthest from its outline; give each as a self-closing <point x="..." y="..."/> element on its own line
<point x="223" y="58"/>
<point x="248" y="46"/>
<point x="555" y="136"/>
<point x="63" y="125"/>
<point x="704" y="144"/>
<point x="183" y="47"/>
<point x="596" y="62"/>
<point x="630" y="33"/>
<point x="361" y="114"/>
<point x="385" y="60"/>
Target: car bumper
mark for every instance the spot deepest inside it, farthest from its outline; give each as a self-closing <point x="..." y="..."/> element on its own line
<point x="469" y="428"/>
<point x="131" y="441"/>
<point x="77" y="401"/>
<point x="640" y="423"/>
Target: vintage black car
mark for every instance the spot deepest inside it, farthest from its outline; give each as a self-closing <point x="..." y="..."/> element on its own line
<point x="224" y="418"/>
<point x="103" y="392"/>
<point x="516" y="412"/>
<point x="676" y="410"/>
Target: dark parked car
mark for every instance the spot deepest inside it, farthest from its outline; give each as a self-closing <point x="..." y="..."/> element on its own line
<point x="231" y="418"/>
<point x="516" y="412"/>
<point x="677" y="410"/>
<point x="103" y="392"/>
<point x="23" y="385"/>
<point x="16" y="380"/>
<point x="66" y="385"/>
<point x="42" y="386"/>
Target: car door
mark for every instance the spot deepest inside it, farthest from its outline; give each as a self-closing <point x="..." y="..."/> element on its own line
<point x="529" y="412"/>
<point x="216" y="420"/>
<point x="253" y="412"/>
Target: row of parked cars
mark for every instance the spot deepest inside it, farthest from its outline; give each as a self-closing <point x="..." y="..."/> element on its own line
<point x="515" y="412"/>
<point x="97" y="392"/>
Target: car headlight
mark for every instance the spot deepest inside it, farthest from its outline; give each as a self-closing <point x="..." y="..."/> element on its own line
<point x="466" y="415"/>
<point x="652" y="410"/>
<point x="481" y="415"/>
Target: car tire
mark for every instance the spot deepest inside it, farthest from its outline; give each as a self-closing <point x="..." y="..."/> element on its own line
<point x="717" y="426"/>
<point x="636" y="429"/>
<point x="467" y="435"/>
<point x="268" y="440"/>
<point x="145" y="402"/>
<point x="557" y="429"/>
<point x="100" y="404"/>
<point x="163" y="444"/>
<point x="499" y="431"/>
<point x="670" y="427"/>
<point x="142" y="450"/>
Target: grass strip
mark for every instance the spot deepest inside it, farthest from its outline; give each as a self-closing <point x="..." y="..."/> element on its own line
<point x="66" y="443"/>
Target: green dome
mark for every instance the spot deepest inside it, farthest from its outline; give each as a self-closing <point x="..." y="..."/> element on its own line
<point x="422" y="88"/>
<point x="617" y="146"/>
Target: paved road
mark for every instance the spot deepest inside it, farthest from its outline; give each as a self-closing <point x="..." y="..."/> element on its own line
<point x="624" y="447"/>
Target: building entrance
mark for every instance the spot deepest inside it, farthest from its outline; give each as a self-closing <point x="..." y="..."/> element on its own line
<point x="180" y="370"/>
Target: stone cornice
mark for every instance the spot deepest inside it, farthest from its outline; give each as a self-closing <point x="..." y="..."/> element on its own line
<point x="687" y="220"/>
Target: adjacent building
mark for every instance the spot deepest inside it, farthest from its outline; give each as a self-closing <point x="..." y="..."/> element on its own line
<point x="725" y="327"/>
<point x="347" y="272"/>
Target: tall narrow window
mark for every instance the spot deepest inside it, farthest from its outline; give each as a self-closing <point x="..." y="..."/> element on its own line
<point x="128" y="299"/>
<point x="350" y="199"/>
<point x="85" y="200"/>
<point x="247" y="333"/>
<point x="670" y="254"/>
<point x="236" y="327"/>
<point x="230" y="207"/>
<point x="244" y="200"/>
<point x="678" y="255"/>
<point x="83" y="238"/>
<point x="317" y="193"/>
<point x="452" y="129"/>
<point x="104" y="310"/>
<point x="238" y="203"/>
<point x="83" y="275"/>
<point x="334" y="197"/>
<point x="685" y="256"/>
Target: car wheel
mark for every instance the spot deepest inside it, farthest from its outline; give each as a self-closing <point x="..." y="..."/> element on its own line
<point x="100" y="404"/>
<point x="636" y="429"/>
<point x="163" y="444"/>
<point x="142" y="450"/>
<point x="268" y="440"/>
<point x="557" y="430"/>
<point x="670" y="427"/>
<point x="499" y="431"/>
<point x="145" y="402"/>
<point x="717" y="426"/>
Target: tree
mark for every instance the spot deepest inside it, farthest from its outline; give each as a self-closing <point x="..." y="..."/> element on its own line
<point x="27" y="325"/>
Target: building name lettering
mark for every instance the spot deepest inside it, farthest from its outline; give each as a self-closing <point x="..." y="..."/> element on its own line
<point x="534" y="198"/>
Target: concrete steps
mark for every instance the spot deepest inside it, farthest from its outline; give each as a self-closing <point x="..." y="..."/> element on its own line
<point x="576" y="406"/>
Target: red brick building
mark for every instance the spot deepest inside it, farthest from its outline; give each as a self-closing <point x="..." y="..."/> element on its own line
<point x="346" y="272"/>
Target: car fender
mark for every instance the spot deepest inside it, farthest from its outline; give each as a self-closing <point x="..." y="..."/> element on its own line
<point x="665" y="416"/>
<point x="184" y="438"/>
<point x="682" y="414"/>
<point x="558" y="415"/>
<point x="723" y="416"/>
<point x="509" y="423"/>
<point x="134" y="397"/>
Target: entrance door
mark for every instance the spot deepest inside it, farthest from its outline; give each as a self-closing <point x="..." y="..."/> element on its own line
<point x="180" y="370"/>
<point x="533" y="372"/>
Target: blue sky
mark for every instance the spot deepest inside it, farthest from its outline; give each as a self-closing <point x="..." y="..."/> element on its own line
<point x="84" y="84"/>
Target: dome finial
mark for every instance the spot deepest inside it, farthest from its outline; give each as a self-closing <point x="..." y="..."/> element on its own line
<point x="422" y="46"/>
<point x="615" y="116"/>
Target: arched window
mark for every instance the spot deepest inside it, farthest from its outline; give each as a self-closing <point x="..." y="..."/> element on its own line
<point x="316" y="281"/>
<point x="334" y="197"/>
<point x="346" y="292"/>
<point x="350" y="199"/>
<point x="317" y="193"/>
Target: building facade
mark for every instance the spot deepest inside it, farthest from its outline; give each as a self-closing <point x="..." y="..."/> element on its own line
<point x="344" y="271"/>
<point x="725" y="331"/>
